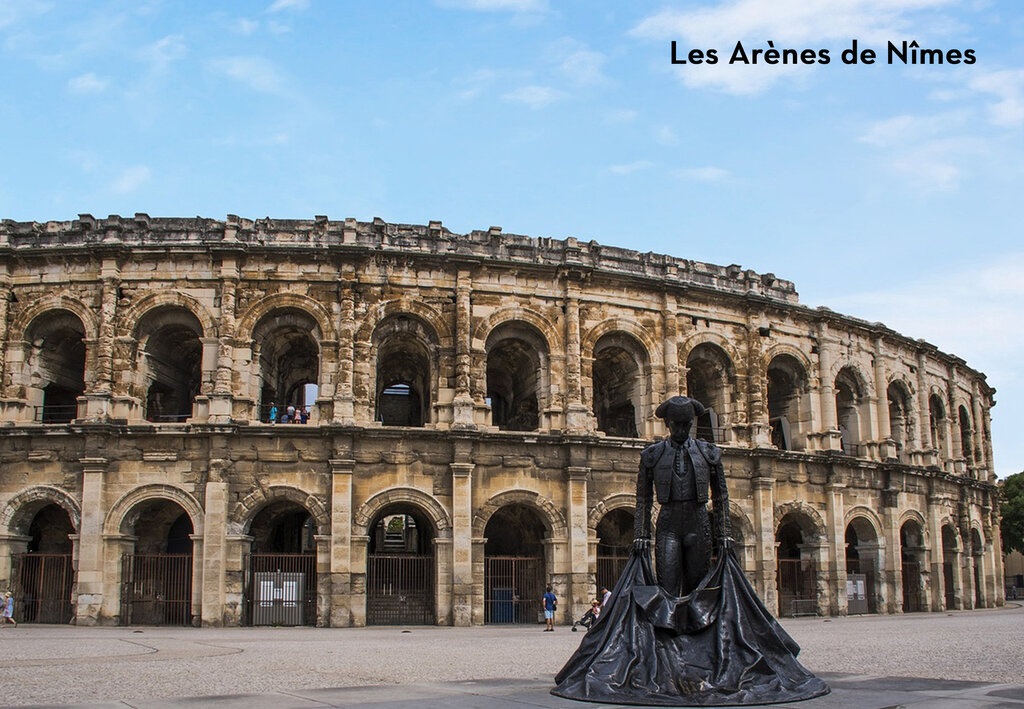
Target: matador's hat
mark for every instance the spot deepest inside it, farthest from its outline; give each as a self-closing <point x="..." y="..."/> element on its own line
<point x="680" y="408"/>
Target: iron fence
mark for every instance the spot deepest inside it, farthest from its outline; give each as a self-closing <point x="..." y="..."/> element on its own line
<point x="53" y="413"/>
<point x="513" y="586"/>
<point x="156" y="589"/>
<point x="42" y="587"/>
<point x="400" y="589"/>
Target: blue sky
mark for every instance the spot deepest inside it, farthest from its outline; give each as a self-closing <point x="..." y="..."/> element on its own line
<point x="887" y="192"/>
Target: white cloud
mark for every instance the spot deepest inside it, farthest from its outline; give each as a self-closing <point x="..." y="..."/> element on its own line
<point x="475" y="83"/>
<point x="13" y="11"/>
<point x="666" y="135"/>
<point x="282" y="5"/>
<point x="245" y="27"/>
<point x="622" y="115"/>
<point x="583" y="66"/>
<point x="495" y="5"/>
<point x="1008" y="86"/>
<point x="702" y="174"/>
<point x="87" y="84"/>
<point x="165" y="50"/>
<point x="630" y="168"/>
<point x="255" y="72"/>
<point x="131" y="179"/>
<point x="796" y="24"/>
<point x="534" y="96"/>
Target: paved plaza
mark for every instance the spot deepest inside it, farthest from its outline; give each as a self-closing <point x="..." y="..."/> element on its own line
<point x="959" y="659"/>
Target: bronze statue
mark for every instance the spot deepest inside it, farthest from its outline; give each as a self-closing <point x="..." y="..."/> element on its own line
<point x="679" y="470"/>
<point x="697" y="635"/>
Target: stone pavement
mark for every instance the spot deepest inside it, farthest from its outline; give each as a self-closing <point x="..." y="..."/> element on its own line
<point x="955" y="660"/>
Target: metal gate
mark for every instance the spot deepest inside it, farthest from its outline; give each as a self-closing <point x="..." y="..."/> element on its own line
<point x="609" y="568"/>
<point x="156" y="589"/>
<point x="911" y="586"/>
<point x="797" y="588"/>
<point x="304" y="564"/>
<point x="947" y="582"/>
<point x="513" y="586"/>
<point x="42" y="587"/>
<point x="400" y="589"/>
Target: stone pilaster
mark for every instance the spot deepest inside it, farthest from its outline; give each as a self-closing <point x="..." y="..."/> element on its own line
<point x="97" y="397"/>
<point x="221" y="399"/>
<point x="670" y="324"/>
<point x="836" y="547"/>
<point x="214" y="547"/>
<point x="342" y="593"/>
<point x="463" y="402"/>
<point x="462" y="547"/>
<point x="91" y="587"/>
<point x="344" y="401"/>
<point x="763" y="489"/>
<point x="582" y="580"/>
<point x="577" y="416"/>
<point x="893" y="571"/>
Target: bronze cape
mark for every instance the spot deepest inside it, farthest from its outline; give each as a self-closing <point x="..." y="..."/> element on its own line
<point x="718" y="646"/>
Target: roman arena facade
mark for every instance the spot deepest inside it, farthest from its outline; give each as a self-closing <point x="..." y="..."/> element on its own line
<point x="476" y="407"/>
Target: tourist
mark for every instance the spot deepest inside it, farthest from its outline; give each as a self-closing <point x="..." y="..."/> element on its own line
<point x="273" y="413"/>
<point x="550" y="603"/>
<point x="8" y="610"/>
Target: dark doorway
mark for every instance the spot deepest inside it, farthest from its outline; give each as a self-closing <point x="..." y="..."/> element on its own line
<point x="281" y="578"/>
<point x="614" y="542"/>
<point x="514" y="570"/>
<point x="156" y="579"/>
<point x="400" y="569"/>
<point x="44" y="577"/>
<point x="795" y="574"/>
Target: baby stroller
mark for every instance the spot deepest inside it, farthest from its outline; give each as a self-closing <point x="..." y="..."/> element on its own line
<point x="589" y="617"/>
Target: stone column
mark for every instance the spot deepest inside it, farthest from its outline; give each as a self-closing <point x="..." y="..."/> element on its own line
<point x="344" y="401"/>
<point x="463" y="402"/>
<point x="214" y="547"/>
<point x="924" y="413"/>
<point x="462" y="545"/>
<point x="97" y="398"/>
<point x="581" y="581"/>
<point x="342" y="593"/>
<point x="893" y="571"/>
<point x="934" y="519"/>
<point x="577" y="416"/>
<point x="91" y="584"/>
<point x="443" y="583"/>
<point x="763" y="488"/>
<point x="887" y="450"/>
<point x="756" y="380"/>
<point x="10" y="544"/>
<point x="221" y="401"/>
<point x="836" y="547"/>
<point x="670" y="325"/>
<point x="5" y="301"/>
<point x="324" y="580"/>
<point x="198" y="570"/>
<point x="978" y="447"/>
<point x="829" y="435"/>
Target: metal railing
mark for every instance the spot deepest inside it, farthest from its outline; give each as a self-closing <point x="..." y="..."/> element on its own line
<point x="54" y="413"/>
<point x="156" y="589"/>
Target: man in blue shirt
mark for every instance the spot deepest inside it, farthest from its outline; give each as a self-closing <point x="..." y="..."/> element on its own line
<point x="550" y="602"/>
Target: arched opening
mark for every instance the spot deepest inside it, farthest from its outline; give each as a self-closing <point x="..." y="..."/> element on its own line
<point x="619" y="394"/>
<point x="157" y="575"/>
<point x="966" y="431"/>
<point x="43" y="576"/>
<point x="708" y="377"/>
<point x="796" y="571"/>
<point x="400" y="568"/>
<point x="281" y="581"/>
<point x="56" y="366"/>
<point x="850" y="399"/>
<point x="861" y="567"/>
<point x="950" y="563"/>
<point x="614" y="542"/>
<point x="911" y="557"/>
<point x="172" y="358"/>
<point x="404" y="372"/>
<point x="788" y="403"/>
<point x="514" y="568"/>
<point x="977" y="552"/>
<point x="288" y="355"/>
<point x="901" y="425"/>
<point x="937" y="424"/>
<point x="517" y="359"/>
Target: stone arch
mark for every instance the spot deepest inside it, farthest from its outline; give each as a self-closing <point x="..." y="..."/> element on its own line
<point x="17" y="514"/>
<point x="736" y="514"/>
<point x="427" y="314"/>
<point x="405" y="363"/>
<point x="865" y="385"/>
<point x="246" y="509"/>
<point x="129" y="321"/>
<point x="916" y="517"/>
<point x="701" y="338"/>
<point x="781" y="348"/>
<point x="617" y="501"/>
<point x="958" y="544"/>
<point x="551" y="516"/>
<point x="366" y="513"/>
<point x="617" y="380"/>
<point x="812" y="526"/>
<point x="285" y="301"/>
<point x="20" y="325"/>
<point x="518" y="313"/>
<point x="118" y="515"/>
<point x="901" y="381"/>
<point x="869" y="516"/>
<point x="640" y="334"/>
